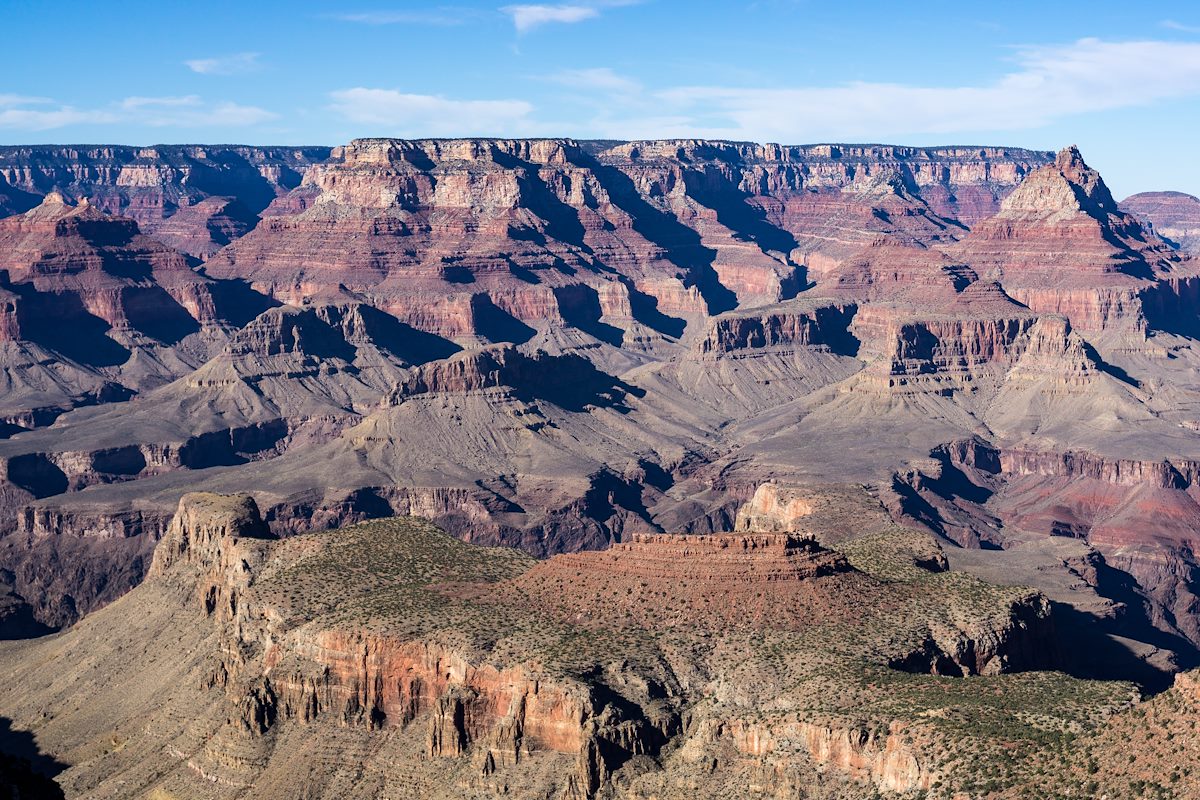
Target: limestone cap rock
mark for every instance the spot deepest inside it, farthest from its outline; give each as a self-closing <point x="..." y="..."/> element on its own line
<point x="204" y="522"/>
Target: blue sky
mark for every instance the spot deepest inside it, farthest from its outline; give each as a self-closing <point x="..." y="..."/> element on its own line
<point x="1120" y="79"/>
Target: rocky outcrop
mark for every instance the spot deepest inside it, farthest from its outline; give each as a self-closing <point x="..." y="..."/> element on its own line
<point x="274" y="675"/>
<point x="473" y="669"/>
<point x="556" y="344"/>
<point x="1165" y="474"/>
<point x="496" y="716"/>
<point x="93" y="311"/>
<point x="912" y="346"/>
<point x="472" y="371"/>
<point x="1188" y="683"/>
<point x="781" y="326"/>
<point x="1138" y="519"/>
<point x="567" y="380"/>
<point x="754" y="580"/>
<point x="521" y="227"/>
<point x="880" y="758"/>
<point x="957" y="182"/>
<point x="723" y="558"/>
<point x="67" y="562"/>
<point x="206" y="530"/>
<point x="774" y="508"/>
<point x="500" y="715"/>
<point x="201" y="229"/>
<point x="59" y="253"/>
<point x="1174" y="216"/>
<point x="1022" y="638"/>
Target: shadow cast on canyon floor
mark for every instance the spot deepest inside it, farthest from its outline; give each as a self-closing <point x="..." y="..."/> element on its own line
<point x="1091" y="652"/>
<point x="680" y="244"/>
<point x="573" y="383"/>
<point x="25" y="771"/>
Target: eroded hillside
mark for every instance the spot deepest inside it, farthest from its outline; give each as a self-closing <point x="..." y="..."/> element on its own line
<point x="559" y="345"/>
<point x="388" y="658"/>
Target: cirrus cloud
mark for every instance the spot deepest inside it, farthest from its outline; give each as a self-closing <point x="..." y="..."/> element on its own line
<point x="418" y="115"/>
<point x="1051" y="83"/>
<point x="600" y="79"/>
<point x="235" y="64"/>
<point x="527" y="17"/>
<point x="1174" y="25"/>
<point x="188" y="111"/>
<point x="1048" y="84"/>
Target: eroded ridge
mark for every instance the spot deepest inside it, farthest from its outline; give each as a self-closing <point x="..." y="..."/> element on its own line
<point x="726" y="558"/>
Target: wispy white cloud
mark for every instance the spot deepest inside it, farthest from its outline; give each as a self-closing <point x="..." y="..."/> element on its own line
<point x="21" y="100"/>
<point x="445" y="15"/>
<point x="1179" y="26"/>
<point x="1046" y="85"/>
<point x="190" y="111"/>
<point x="598" y="79"/>
<point x="44" y="119"/>
<point x="403" y="114"/>
<point x="234" y="64"/>
<point x="527" y="17"/>
<point x="135" y="103"/>
<point x="1049" y="84"/>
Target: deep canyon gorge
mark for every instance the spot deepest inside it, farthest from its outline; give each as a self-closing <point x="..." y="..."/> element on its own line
<point x="595" y="469"/>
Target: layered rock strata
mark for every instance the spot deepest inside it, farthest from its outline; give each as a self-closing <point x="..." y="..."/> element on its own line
<point x="184" y="191"/>
<point x="1174" y="216"/>
<point x="389" y="663"/>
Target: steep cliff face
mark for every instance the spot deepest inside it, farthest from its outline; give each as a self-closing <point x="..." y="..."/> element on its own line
<point x="791" y="326"/>
<point x="1135" y="522"/>
<point x="182" y="191"/>
<point x="94" y="311"/>
<point x="203" y="228"/>
<point x="557" y="344"/>
<point x="567" y="379"/>
<point x="461" y="237"/>
<point x="69" y="562"/>
<point x="774" y="508"/>
<point x="708" y="580"/>
<point x="76" y="260"/>
<point x="560" y="231"/>
<point x="957" y="183"/>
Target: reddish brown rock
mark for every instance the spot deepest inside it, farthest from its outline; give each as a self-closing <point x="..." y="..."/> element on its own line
<point x="708" y="579"/>
<point x="1060" y="244"/>
<point x="203" y="228"/>
<point x="152" y="185"/>
<point x="794" y="324"/>
<point x="447" y="235"/>
<point x="79" y="264"/>
<point x="1174" y="216"/>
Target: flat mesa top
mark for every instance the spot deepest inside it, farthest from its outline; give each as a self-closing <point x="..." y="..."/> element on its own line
<point x="710" y="542"/>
